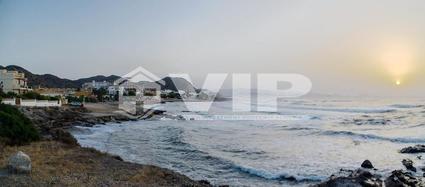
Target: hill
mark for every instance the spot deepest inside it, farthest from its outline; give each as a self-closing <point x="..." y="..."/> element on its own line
<point x="175" y="84"/>
<point x="52" y="81"/>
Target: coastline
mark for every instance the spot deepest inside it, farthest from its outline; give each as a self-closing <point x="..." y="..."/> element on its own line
<point x="58" y="159"/>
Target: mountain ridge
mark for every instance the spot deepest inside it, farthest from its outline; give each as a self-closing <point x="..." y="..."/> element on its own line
<point x="53" y="81"/>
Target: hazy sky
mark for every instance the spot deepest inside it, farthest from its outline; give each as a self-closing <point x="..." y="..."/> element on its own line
<point x="344" y="47"/>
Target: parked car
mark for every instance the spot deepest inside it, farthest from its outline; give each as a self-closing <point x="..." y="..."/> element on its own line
<point x="78" y="104"/>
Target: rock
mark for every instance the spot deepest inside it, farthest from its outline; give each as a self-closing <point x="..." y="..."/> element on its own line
<point x="367" y="164"/>
<point x="399" y="178"/>
<point x="204" y="182"/>
<point x="159" y="112"/>
<point x="413" y="149"/>
<point x="357" y="178"/>
<point x="288" y="178"/>
<point x="64" y="137"/>
<point x="408" y="164"/>
<point x="20" y="163"/>
<point x="116" y="157"/>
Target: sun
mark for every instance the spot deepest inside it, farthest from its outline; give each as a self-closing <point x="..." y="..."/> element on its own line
<point x="397" y="60"/>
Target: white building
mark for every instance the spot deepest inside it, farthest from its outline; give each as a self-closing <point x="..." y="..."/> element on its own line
<point x="167" y="91"/>
<point x="96" y="85"/>
<point x="13" y="81"/>
<point x="113" y="90"/>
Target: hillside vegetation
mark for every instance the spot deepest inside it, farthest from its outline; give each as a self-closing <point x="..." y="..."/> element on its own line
<point x="15" y="128"/>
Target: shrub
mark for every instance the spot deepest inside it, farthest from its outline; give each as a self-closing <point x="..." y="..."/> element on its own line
<point x="100" y="94"/>
<point x="8" y="94"/>
<point x="15" y="128"/>
<point x="35" y="95"/>
<point x="2" y="94"/>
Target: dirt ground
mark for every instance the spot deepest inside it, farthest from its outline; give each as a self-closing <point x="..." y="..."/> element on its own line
<point x="102" y="107"/>
<point x="58" y="164"/>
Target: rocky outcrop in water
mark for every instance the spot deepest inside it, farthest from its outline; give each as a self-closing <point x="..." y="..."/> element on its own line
<point x="400" y="178"/>
<point x="413" y="149"/>
<point x="408" y="164"/>
<point x="20" y="163"/>
<point x="357" y="178"/>
<point x="366" y="178"/>
<point x="367" y="164"/>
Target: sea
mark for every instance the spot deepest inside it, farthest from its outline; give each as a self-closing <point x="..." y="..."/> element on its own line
<point x="312" y="139"/>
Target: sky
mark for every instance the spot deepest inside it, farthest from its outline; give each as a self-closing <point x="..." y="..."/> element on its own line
<point x="352" y="47"/>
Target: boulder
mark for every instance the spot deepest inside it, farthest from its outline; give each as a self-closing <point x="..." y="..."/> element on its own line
<point x="408" y="164"/>
<point x="20" y="163"/>
<point x="116" y="157"/>
<point x="357" y="178"/>
<point x="367" y="164"/>
<point x="398" y="178"/>
<point x="413" y="149"/>
<point x="64" y="136"/>
<point x="204" y="182"/>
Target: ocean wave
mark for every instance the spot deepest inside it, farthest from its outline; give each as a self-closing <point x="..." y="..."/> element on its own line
<point x="242" y="151"/>
<point x="299" y="128"/>
<point x="279" y="176"/>
<point x="406" y="106"/>
<point x="80" y="130"/>
<point x="372" y="137"/>
<point x="292" y="116"/>
<point x="368" y="121"/>
<point x="94" y="130"/>
<point x="345" y="110"/>
<point x="415" y="126"/>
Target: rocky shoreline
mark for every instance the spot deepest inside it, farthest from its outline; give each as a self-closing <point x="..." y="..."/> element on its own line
<point x="367" y="176"/>
<point x="58" y="153"/>
<point x="54" y="123"/>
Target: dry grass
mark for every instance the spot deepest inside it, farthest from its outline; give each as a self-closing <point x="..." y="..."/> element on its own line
<point x="49" y="163"/>
<point x="56" y="164"/>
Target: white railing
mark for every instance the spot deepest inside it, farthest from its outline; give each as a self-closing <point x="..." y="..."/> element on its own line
<point x="39" y="103"/>
<point x="32" y="102"/>
<point x="9" y="101"/>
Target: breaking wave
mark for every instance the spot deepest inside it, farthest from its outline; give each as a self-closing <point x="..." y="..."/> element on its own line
<point x="372" y="137"/>
<point x="406" y="106"/>
<point x="280" y="176"/>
